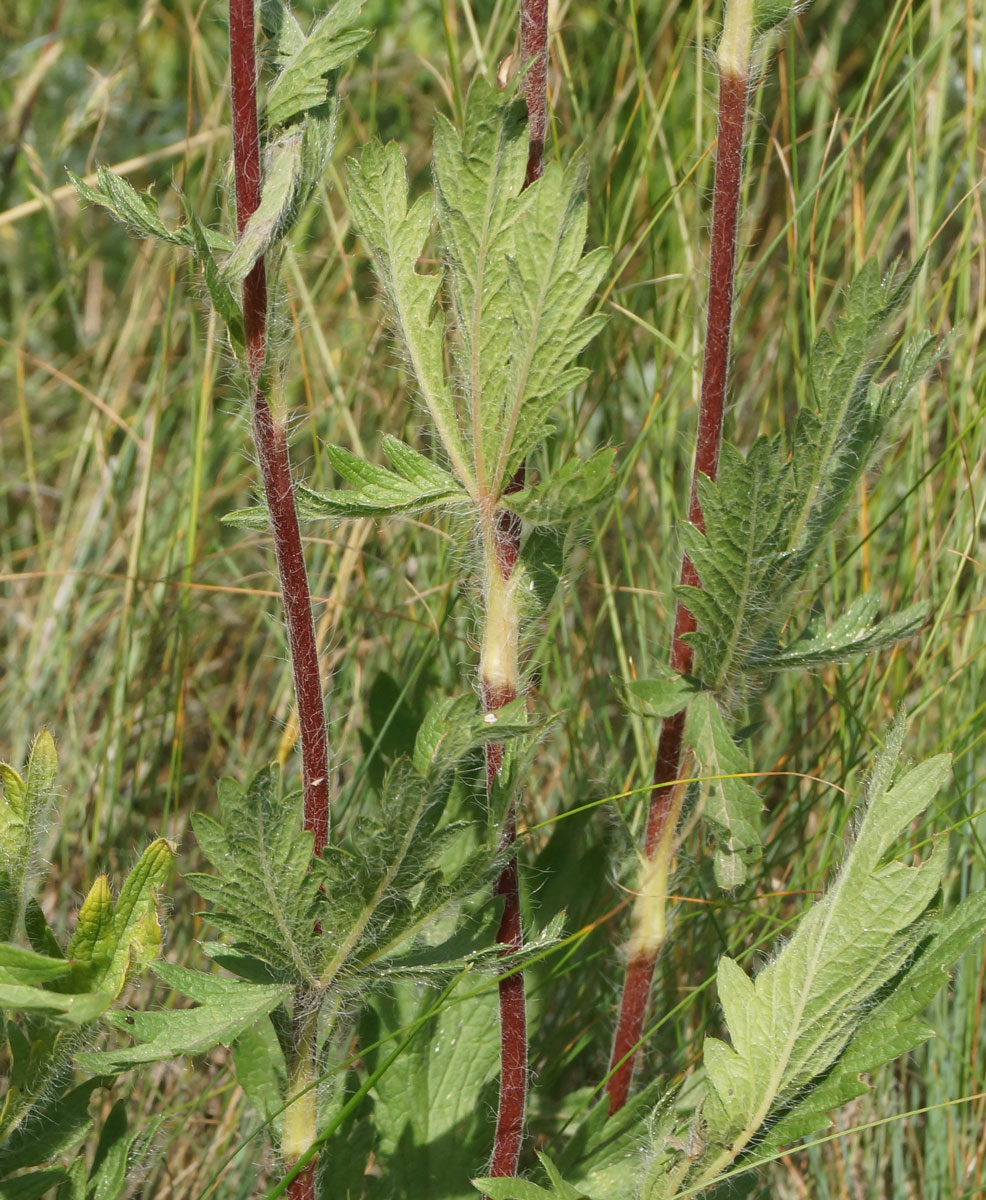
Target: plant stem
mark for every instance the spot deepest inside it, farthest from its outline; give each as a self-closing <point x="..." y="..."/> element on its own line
<point x="270" y="438"/>
<point x="501" y="559"/>
<point x="666" y="796"/>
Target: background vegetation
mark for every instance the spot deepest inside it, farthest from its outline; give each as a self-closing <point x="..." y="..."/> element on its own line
<point x="140" y="629"/>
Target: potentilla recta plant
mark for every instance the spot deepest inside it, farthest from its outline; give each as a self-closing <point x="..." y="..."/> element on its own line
<point x="328" y="937"/>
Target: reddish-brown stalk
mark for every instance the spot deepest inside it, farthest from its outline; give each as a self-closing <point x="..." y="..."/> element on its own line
<point x="512" y="1105"/>
<point x="664" y="801"/>
<point x="270" y="438"/>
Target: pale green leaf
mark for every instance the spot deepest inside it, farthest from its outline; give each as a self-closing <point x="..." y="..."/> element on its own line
<point x="276" y="211"/>
<point x="891" y="1028"/>
<point x="225" y="1009"/>
<point x="732" y="806"/>
<point x="396" y="236"/>
<point x="111" y="940"/>
<point x="139" y="212"/>
<point x="791" y="1024"/>
<point x="304" y="62"/>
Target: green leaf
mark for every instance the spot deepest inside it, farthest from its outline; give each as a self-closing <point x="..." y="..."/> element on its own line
<point x="75" y="1009"/>
<point x="414" y="484"/>
<point x="277" y="210"/>
<point x="26" y="967"/>
<point x="456" y="726"/>
<point x="56" y="1128"/>
<point x="732" y="806"/>
<point x="304" y="65"/>
<point x="430" y="1108"/>
<point x="835" y="440"/>
<point x="388" y="884"/>
<point x="23" y="802"/>
<point x="665" y="694"/>
<point x="111" y="940"/>
<point x="32" y="1186"/>
<point x="888" y="1030"/>
<point x="857" y="631"/>
<point x="395" y="235"/>
<point x="574" y="491"/>
<point x="225" y="1009"/>
<point x="791" y="1024"/>
<point x="519" y="281"/>
<point x="512" y="1189"/>
<point x="140" y="212"/>
<point x="109" y="1166"/>
<point x="224" y="301"/>
<point x="264" y="894"/>
<point x="737" y="558"/>
<point x="261" y="1070"/>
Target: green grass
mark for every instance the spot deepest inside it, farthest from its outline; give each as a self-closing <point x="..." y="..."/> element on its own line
<point x="148" y="637"/>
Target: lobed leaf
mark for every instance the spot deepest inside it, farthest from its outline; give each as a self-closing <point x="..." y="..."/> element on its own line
<point x="791" y="1024"/>
<point x="415" y="484"/>
<point x="264" y="893"/>
<point x="305" y="62"/>
<point x="395" y="235"/>
<point x="857" y="631"/>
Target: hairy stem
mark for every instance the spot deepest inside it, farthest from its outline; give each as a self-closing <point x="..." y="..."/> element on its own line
<point x="505" y="548"/>
<point x="666" y="796"/>
<point x="270" y="438"/>
<point x="499" y="678"/>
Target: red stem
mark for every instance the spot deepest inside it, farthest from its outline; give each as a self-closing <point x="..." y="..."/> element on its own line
<point x="715" y="368"/>
<point x="512" y="1106"/>
<point x="271" y="440"/>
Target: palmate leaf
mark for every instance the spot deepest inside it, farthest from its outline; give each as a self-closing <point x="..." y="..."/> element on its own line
<point x="518" y="285"/>
<point x="766" y="515"/>
<point x="264" y="896"/>
<point x="890" y="1029"/>
<point x="791" y="1024"/>
<point x="415" y="484"/>
<point x="479" y="174"/>
<point x="519" y="280"/>
<point x="387" y="885"/>
<point x="225" y="1009"/>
